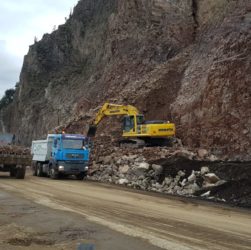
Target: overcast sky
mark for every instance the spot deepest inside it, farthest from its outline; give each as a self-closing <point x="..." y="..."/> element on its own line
<point x="20" y="22"/>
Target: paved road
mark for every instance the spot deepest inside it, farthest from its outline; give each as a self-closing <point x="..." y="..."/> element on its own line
<point x="159" y="221"/>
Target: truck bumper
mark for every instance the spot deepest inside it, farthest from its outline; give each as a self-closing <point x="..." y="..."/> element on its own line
<point x="72" y="168"/>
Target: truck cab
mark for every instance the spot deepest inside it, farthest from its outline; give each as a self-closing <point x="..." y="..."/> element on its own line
<point x="62" y="155"/>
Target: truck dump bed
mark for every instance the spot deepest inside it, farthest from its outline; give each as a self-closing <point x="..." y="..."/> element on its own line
<point x="14" y="155"/>
<point x="14" y="159"/>
<point x="41" y="150"/>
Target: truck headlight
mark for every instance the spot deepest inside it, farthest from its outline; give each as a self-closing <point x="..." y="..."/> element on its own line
<point x="86" y="168"/>
<point x="61" y="168"/>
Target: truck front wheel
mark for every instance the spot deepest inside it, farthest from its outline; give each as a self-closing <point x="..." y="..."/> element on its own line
<point x="40" y="170"/>
<point x="53" y="174"/>
<point x="80" y="176"/>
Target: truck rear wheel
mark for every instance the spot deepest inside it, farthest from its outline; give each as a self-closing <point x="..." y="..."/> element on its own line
<point x="34" y="168"/>
<point x="13" y="172"/>
<point x="20" y="172"/>
<point x="40" y="170"/>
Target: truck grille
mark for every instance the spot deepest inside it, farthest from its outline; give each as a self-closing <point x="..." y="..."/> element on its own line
<point x="74" y="156"/>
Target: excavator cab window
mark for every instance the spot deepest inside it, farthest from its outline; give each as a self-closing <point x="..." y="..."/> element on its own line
<point x="140" y="119"/>
<point x="128" y="123"/>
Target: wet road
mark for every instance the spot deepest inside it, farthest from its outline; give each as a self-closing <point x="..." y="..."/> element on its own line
<point x="158" y="221"/>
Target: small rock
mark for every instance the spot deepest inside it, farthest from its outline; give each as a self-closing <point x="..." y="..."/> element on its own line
<point x="181" y="173"/>
<point x="202" y="153"/>
<point x="212" y="158"/>
<point x="168" y="180"/>
<point x="191" y="177"/>
<point x="204" y="170"/>
<point x="118" y="161"/>
<point x="141" y="177"/>
<point x="205" y="194"/>
<point x="183" y="183"/>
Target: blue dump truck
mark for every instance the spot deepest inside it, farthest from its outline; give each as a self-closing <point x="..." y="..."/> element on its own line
<point x="60" y="155"/>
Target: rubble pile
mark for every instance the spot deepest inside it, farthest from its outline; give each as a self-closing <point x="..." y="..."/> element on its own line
<point x="136" y="168"/>
<point x="108" y="145"/>
<point x="13" y="149"/>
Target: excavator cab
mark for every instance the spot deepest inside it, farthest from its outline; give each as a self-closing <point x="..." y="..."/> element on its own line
<point x="129" y="122"/>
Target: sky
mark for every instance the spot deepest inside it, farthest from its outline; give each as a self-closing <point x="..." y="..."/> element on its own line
<point x="20" y="22"/>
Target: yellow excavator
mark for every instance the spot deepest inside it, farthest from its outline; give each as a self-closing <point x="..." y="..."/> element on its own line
<point x="135" y="129"/>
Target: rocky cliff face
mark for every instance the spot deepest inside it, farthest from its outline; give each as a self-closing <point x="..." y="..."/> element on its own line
<point x="184" y="60"/>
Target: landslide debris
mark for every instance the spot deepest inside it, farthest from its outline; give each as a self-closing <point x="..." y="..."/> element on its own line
<point x="175" y="171"/>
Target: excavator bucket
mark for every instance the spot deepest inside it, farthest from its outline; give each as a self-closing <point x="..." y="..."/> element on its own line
<point x="92" y="131"/>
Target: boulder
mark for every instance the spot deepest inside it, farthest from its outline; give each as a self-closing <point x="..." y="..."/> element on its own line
<point x="211" y="178"/>
<point x="140" y="159"/>
<point x="191" y="188"/>
<point x="209" y="186"/>
<point x="124" y="169"/>
<point x="184" y="153"/>
<point x="123" y="181"/>
<point x="132" y="157"/>
<point x="157" y="168"/>
<point x="202" y="153"/>
<point x="107" y="159"/>
<point x="144" y="165"/>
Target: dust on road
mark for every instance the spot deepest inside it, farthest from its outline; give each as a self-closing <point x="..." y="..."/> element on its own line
<point x="158" y="221"/>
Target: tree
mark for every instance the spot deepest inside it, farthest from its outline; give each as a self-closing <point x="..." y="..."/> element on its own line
<point x="7" y="98"/>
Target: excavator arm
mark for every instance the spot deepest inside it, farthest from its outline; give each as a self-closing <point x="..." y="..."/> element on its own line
<point x="109" y="109"/>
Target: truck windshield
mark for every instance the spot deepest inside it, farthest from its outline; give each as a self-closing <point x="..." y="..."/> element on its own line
<point x="72" y="144"/>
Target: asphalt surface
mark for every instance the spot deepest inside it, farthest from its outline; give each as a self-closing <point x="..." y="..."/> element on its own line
<point x="110" y="217"/>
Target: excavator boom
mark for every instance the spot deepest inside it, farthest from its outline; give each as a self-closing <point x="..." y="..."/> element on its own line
<point x="109" y="109"/>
